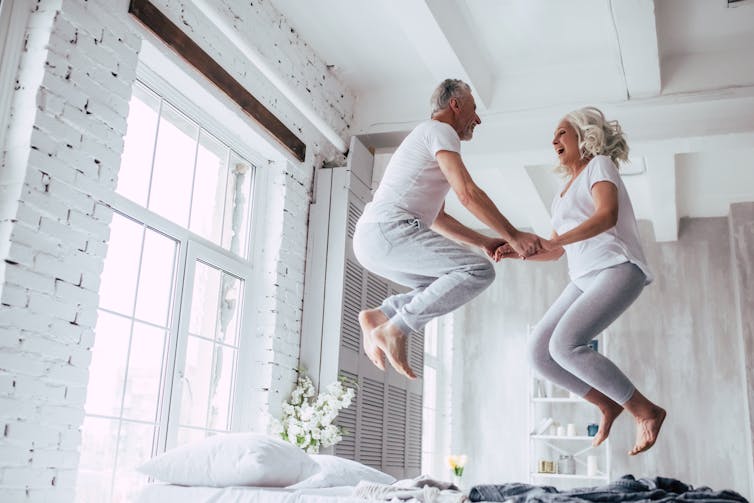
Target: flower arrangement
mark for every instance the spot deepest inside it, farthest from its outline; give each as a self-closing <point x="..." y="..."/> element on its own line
<point x="457" y="463"/>
<point x="308" y="420"/>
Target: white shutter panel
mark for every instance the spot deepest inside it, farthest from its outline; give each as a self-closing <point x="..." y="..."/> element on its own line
<point x="370" y="424"/>
<point x="414" y="435"/>
<point x="397" y="407"/>
<point x="346" y="420"/>
<point x="353" y="290"/>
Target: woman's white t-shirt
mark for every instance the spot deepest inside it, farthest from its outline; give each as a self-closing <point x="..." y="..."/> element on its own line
<point x="614" y="246"/>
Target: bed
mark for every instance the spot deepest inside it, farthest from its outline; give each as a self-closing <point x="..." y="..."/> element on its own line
<point x="256" y="468"/>
<point x="162" y="493"/>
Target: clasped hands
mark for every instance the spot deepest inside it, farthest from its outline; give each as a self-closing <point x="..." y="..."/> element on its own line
<point x="523" y="245"/>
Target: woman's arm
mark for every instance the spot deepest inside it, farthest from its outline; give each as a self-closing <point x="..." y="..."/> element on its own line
<point x="605" y="216"/>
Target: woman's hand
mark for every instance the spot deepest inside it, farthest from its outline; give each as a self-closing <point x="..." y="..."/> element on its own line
<point x="490" y="245"/>
<point x="505" y="251"/>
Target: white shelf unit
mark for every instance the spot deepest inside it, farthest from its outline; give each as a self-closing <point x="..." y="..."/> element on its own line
<point x="564" y="409"/>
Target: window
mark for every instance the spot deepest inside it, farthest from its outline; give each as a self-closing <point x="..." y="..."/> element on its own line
<point x="175" y="299"/>
<point x="438" y="335"/>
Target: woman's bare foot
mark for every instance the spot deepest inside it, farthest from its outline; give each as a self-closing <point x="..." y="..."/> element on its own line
<point x="369" y="319"/>
<point x="610" y="410"/>
<point x="647" y="429"/>
<point x="393" y="343"/>
<point x="609" y="414"/>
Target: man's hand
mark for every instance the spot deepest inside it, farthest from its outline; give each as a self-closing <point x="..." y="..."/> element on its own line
<point x="490" y="245"/>
<point x="525" y="243"/>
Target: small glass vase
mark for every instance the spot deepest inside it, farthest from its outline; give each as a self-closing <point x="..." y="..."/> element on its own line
<point x="457" y="482"/>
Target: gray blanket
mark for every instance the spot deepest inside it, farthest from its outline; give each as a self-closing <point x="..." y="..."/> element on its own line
<point x="626" y="489"/>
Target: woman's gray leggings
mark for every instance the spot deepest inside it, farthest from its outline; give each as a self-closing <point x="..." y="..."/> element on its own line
<point x="558" y="346"/>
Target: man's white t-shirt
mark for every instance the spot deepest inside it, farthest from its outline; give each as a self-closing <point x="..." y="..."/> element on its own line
<point x="614" y="246"/>
<point x="413" y="185"/>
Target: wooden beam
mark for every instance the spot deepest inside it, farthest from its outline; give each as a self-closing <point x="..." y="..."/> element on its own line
<point x="155" y="21"/>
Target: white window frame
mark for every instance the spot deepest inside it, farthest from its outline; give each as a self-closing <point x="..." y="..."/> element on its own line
<point x="249" y="266"/>
<point x="174" y="84"/>
<point x="194" y="246"/>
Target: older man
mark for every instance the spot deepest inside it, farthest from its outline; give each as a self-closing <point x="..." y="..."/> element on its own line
<point x="405" y="235"/>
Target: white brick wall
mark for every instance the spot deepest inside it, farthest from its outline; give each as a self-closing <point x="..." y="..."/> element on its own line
<point x="64" y="145"/>
<point x="68" y="120"/>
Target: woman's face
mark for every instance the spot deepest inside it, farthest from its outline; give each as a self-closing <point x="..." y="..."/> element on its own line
<point x="566" y="144"/>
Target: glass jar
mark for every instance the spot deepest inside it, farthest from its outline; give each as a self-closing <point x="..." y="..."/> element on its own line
<point x="566" y="464"/>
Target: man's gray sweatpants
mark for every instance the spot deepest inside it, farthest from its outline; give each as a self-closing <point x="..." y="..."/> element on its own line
<point x="444" y="275"/>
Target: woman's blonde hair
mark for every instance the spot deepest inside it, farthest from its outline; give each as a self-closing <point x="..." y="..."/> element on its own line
<point x="597" y="135"/>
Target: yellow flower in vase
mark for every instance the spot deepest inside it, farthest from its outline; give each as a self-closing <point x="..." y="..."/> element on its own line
<point x="457" y="464"/>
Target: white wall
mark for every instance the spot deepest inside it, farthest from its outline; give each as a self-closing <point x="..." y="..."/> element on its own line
<point x="62" y="158"/>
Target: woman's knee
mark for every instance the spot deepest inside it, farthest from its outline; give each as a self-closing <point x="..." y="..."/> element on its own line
<point x="538" y="352"/>
<point x="561" y="351"/>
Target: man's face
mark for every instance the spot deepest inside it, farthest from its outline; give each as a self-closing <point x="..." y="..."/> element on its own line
<point x="466" y="116"/>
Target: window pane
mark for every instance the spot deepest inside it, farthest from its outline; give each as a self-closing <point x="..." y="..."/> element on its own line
<point x="136" y="162"/>
<point x="188" y="435"/>
<point x="221" y="387"/>
<point x="118" y="286"/>
<point x="173" y="172"/>
<point x="134" y="448"/>
<point x="196" y="382"/>
<point x="208" y="205"/>
<point x="230" y="308"/>
<point x="99" y="438"/>
<point x="204" y="309"/>
<point x="238" y="204"/>
<point x="108" y="368"/>
<point x="156" y="278"/>
<point x="148" y="346"/>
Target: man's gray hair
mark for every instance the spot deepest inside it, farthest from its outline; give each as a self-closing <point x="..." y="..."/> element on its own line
<point x="448" y="88"/>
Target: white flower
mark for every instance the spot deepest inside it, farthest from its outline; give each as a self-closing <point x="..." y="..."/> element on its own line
<point x="308" y="419"/>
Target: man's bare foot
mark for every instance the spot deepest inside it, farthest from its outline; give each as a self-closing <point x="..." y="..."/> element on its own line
<point x="393" y="343"/>
<point x="609" y="413"/>
<point x="369" y="319"/>
<point x="647" y="429"/>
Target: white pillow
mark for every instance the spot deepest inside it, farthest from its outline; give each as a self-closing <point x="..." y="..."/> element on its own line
<point x="232" y="459"/>
<point x="336" y="472"/>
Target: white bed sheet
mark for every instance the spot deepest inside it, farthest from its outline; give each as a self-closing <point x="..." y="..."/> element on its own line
<point x="168" y="493"/>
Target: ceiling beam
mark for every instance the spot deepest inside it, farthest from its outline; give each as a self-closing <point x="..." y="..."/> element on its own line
<point x="537" y="186"/>
<point x="636" y="32"/>
<point x="442" y="38"/>
<point x="662" y="194"/>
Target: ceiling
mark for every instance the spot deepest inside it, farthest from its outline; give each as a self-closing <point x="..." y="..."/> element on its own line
<point x="677" y="74"/>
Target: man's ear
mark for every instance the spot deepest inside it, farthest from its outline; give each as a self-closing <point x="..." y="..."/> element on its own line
<point x="454" y="104"/>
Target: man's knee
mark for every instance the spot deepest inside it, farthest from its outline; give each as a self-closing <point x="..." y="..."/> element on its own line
<point x="484" y="273"/>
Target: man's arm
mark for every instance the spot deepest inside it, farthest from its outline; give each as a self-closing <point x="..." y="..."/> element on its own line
<point x="453" y="229"/>
<point x="481" y="206"/>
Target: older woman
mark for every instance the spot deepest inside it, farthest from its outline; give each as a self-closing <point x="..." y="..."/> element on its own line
<point x="595" y="227"/>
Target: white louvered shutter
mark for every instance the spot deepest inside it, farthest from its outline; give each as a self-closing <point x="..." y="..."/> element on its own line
<point x="381" y="430"/>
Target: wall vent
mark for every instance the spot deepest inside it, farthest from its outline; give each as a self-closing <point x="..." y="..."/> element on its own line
<point x="739" y="3"/>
